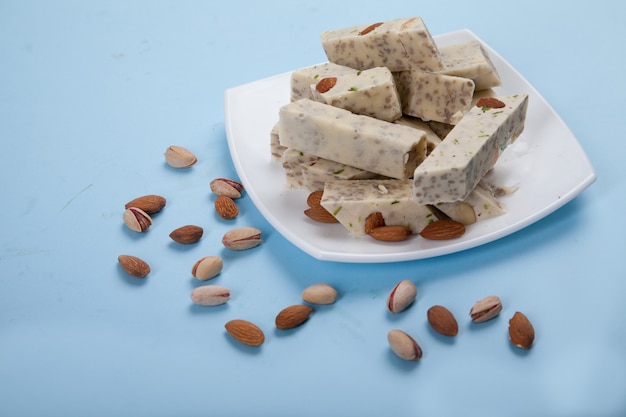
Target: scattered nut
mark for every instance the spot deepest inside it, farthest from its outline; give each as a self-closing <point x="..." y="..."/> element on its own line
<point x="179" y="157"/>
<point x="319" y="294"/>
<point x="187" y="234"/>
<point x="293" y="316"/>
<point x="394" y="233"/>
<point x="210" y="295"/>
<point x="465" y="213"/>
<point x="404" y="345"/>
<point x="443" y="230"/>
<point x="314" y="199"/>
<point x="207" y="268"/>
<point x="373" y="221"/>
<point x="325" y="84"/>
<point x="245" y="332"/>
<point x="149" y="203"/>
<point x="242" y="238"/>
<point x="227" y="187"/>
<point x="134" y="266"/>
<point x="226" y="207"/>
<point x="486" y="309"/>
<point x="401" y="296"/>
<point x="442" y="321"/>
<point x="490" y="102"/>
<point x="370" y="28"/>
<point x="137" y="220"/>
<point x="320" y="214"/>
<point x="521" y="331"/>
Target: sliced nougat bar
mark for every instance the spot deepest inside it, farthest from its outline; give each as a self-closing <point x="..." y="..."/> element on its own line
<point x="352" y="201"/>
<point x="439" y="97"/>
<point x="370" y="92"/>
<point x="292" y="161"/>
<point x="316" y="174"/>
<point x="461" y="160"/>
<point x="276" y="149"/>
<point x="470" y="60"/>
<point x="480" y="204"/>
<point x="363" y="142"/>
<point x="400" y="45"/>
<point x="302" y="79"/>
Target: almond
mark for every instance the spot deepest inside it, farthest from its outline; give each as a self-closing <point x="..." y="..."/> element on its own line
<point x="226" y="207"/>
<point x="373" y="221"/>
<point x="490" y="103"/>
<point x="442" y="321"/>
<point x="320" y="214"/>
<point x="149" y="203"/>
<point x="443" y="230"/>
<point x="391" y="233"/>
<point x="134" y="266"/>
<point x="293" y="316"/>
<point x="369" y="28"/>
<point x="187" y="234"/>
<point x="325" y="84"/>
<point x="521" y="331"/>
<point x="314" y="199"/>
<point x="245" y="332"/>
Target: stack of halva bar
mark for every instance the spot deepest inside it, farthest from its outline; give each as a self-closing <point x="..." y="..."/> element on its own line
<point x="391" y="124"/>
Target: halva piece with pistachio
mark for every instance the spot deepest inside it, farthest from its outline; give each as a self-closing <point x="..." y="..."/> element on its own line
<point x="400" y="45"/>
<point x="302" y="79"/>
<point x="351" y="202"/>
<point x="362" y="142"/>
<point x="471" y="149"/>
<point x="369" y="92"/>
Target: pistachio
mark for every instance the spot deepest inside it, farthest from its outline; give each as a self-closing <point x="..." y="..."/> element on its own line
<point x="179" y="157"/>
<point x="401" y="296"/>
<point x="207" y="267"/>
<point x="404" y="345"/>
<point x="486" y="309"/>
<point x="226" y="187"/>
<point x="242" y="238"/>
<point x="137" y="220"/>
<point x="319" y="294"/>
<point x="210" y="295"/>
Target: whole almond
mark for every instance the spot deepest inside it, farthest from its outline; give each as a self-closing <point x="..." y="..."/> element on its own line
<point x="393" y="233"/>
<point x="245" y="332"/>
<point x="207" y="267"/>
<point x="134" y="266"/>
<point x="373" y="221"/>
<point x="314" y="199"/>
<point x="320" y="214"/>
<point x="325" y="84"/>
<point x="442" y="321"/>
<point x="226" y="207"/>
<point x="151" y="203"/>
<point x="293" y="316"/>
<point x="403" y="345"/>
<point x="401" y="296"/>
<point x="210" y="295"/>
<point x="319" y="294"/>
<point x="443" y="230"/>
<point x="179" y="157"/>
<point x="370" y="28"/>
<point x="521" y="331"/>
<point x="187" y="234"/>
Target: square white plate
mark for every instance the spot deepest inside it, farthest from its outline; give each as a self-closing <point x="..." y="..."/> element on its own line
<point x="546" y="163"/>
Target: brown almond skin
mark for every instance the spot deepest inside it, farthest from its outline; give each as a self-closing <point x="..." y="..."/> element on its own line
<point x="325" y="84"/>
<point x="150" y="203"/>
<point x="245" y="332"/>
<point x="314" y="199"/>
<point x="443" y="230"/>
<point x="373" y="221"/>
<point x="293" y="316"/>
<point x="226" y="207"/>
<point x="320" y="214"/>
<point x="521" y="331"/>
<point x="187" y="234"/>
<point x="134" y="266"/>
<point x="442" y="321"/>
<point x="391" y="233"/>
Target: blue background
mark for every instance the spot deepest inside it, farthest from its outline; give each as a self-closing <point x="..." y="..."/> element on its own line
<point x="91" y="95"/>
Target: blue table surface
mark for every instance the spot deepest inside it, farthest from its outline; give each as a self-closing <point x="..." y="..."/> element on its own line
<point x="93" y="92"/>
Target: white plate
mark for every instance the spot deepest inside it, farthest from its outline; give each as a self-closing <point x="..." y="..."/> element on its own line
<point x="546" y="163"/>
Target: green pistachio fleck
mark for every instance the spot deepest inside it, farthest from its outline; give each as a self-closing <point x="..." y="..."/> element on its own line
<point x="395" y="202"/>
<point x="353" y="89"/>
<point x="486" y="206"/>
<point x="495" y="113"/>
<point x="359" y="72"/>
<point x="316" y="76"/>
<point x="337" y="210"/>
<point x="339" y="171"/>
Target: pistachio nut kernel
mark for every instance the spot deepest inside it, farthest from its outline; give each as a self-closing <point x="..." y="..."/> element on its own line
<point x="226" y="187"/>
<point x="242" y="238"/>
<point x="207" y="267"/>
<point x="136" y="219"/>
<point x="486" y="309"/>
<point x="401" y="296"/>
